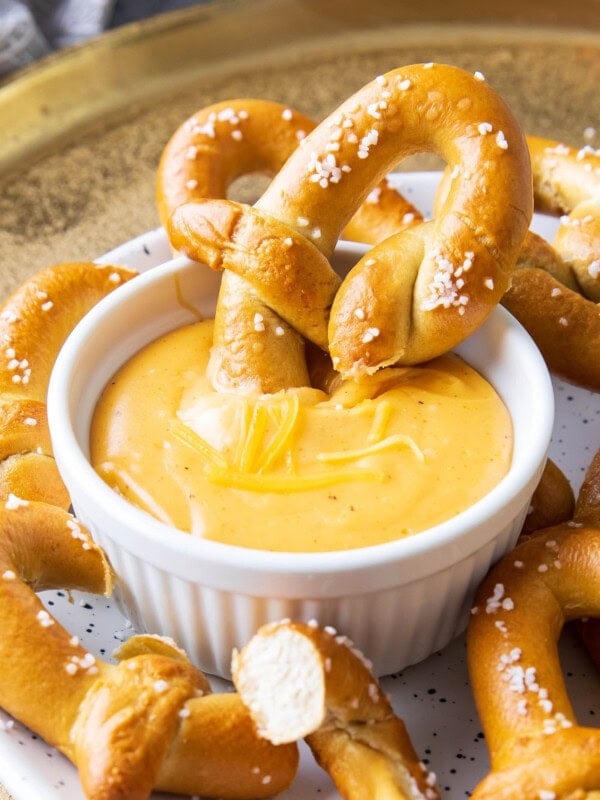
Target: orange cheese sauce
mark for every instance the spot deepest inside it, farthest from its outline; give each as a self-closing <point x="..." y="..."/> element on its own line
<point x="301" y="470"/>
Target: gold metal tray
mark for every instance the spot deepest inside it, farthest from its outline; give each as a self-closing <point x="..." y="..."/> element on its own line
<point x="81" y="132"/>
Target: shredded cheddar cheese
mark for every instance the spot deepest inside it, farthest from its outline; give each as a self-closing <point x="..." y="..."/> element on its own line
<point x="394" y="441"/>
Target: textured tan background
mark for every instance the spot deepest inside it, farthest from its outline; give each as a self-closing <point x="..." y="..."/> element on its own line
<point x="98" y="191"/>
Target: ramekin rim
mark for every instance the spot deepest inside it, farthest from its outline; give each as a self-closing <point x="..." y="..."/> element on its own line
<point x="450" y="531"/>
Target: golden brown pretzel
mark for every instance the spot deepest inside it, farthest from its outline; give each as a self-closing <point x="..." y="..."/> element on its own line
<point x="553" y="502"/>
<point x="383" y="314"/>
<point x="559" y="308"/>
<point x="147" y="722"/>
<point x="537" y="748"/>
<point x="203" y="158"/>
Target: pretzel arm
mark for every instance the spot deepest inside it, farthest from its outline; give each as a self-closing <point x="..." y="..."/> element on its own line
<point x="42" y="546"/>
<point x="587" y="513"/>
<point x="563" y="323"/>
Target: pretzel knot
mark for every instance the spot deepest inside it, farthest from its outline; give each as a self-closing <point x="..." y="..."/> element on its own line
<point x="255" y="348"/>
<point x="421" y="292"/>
<point x="537" y="748"/>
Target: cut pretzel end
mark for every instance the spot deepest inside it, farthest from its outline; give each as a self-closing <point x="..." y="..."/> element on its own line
<point x="301" y="680"/>
<point x="280" y="675"/>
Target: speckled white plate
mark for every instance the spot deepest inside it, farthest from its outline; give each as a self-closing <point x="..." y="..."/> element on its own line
<point x="433" y="697"/>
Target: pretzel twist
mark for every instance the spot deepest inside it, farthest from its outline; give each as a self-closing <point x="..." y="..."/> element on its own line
<point x="537" y="749"/>
<point x="452" y="271"/>
<point x="556" y="300"/>
<point x="302" y="681"/>
<point x="256" y="348"/>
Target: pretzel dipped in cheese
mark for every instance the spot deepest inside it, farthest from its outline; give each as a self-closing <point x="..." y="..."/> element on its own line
<point x="149" y="721"/>
<point x="303" y="681"/>
<point x="417" y="294"/>
<point x="35" y="320"/>
<point x="203" y="158"/>
<point x="537" y="749"/>
<point x="560" y="309"/>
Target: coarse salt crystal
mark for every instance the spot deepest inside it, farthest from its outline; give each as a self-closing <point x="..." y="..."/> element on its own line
<point x="14" y="502"/>
<point x="594" y="269"/>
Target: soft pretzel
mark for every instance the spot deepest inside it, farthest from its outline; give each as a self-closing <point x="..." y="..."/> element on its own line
<point x="147" y="722"/>
<point x="129" y="727"/>
<point x="537" y="749"/>
<point x="35" y="320"/>
<point x="419" y="293"/>
<point x="303" y="681"/>
<point x="203" y="158"/>
<point x="560" y="308"/>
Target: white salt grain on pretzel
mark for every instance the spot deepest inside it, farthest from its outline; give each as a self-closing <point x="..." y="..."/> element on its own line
<point x="219" y="144"/>
<point x="415" y="296"/>
<point x="537" y="748"/>
<point x="299" y="680"/>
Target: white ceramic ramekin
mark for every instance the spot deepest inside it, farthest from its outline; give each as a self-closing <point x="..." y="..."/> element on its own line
<point x="398" y="601"/>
